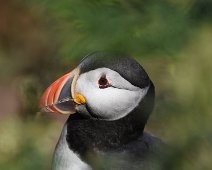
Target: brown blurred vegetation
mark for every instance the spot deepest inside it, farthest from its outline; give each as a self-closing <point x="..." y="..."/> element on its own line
<point x="41" y="40"/>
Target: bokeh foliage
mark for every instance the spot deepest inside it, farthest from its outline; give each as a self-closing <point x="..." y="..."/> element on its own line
<point x="42" y="39"/>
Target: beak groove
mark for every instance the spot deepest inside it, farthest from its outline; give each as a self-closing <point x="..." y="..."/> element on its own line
<point x="50" y="99"/>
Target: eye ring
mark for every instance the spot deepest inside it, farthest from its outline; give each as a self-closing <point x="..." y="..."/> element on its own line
<point x="103" y="82"/>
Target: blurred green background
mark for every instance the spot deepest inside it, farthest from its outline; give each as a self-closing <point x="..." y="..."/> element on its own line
<point x="41" y="40"/>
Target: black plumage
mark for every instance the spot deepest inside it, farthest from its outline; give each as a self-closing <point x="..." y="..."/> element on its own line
<point x="123" y="64"/>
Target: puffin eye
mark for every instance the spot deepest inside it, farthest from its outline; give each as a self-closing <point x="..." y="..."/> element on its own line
<point x="103" y="82"/>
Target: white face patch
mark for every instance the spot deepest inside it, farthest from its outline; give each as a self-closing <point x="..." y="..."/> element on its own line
<point x="113" y="102"/>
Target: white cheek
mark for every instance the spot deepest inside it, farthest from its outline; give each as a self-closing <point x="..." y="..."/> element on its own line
<point x="109" y="103"/>
<point x="113" y="103"/>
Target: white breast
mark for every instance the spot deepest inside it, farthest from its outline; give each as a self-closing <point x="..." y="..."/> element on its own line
<point x="65" y="158"/>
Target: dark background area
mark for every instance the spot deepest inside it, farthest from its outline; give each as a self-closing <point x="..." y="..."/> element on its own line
<point x="40" y="40"/>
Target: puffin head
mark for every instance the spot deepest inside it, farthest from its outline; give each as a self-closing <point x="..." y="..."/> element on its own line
<point x="103" y="86"/>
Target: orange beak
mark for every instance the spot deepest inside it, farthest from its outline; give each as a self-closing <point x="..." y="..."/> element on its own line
<point x="61" y="96"/>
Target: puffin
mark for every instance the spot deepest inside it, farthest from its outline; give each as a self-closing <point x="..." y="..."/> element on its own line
<point x="109" y="98"/>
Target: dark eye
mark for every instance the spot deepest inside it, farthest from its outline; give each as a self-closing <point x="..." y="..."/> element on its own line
<point x="103" y="82"/>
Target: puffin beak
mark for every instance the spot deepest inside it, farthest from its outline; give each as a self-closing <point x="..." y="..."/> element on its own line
<point x="61" y="96"/>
